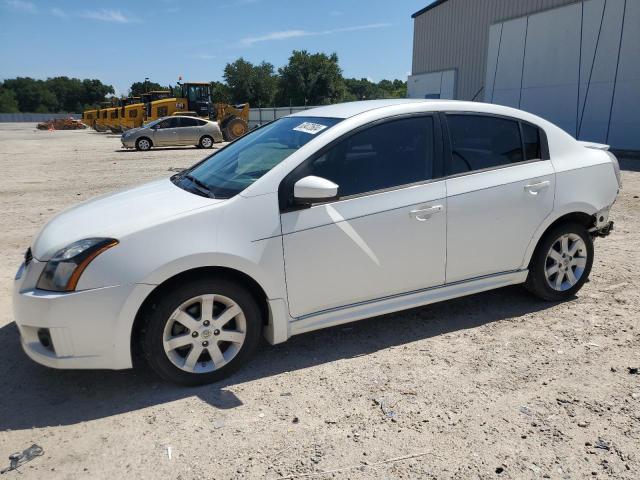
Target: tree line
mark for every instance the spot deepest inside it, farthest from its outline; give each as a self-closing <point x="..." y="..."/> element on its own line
<point x="306" y="79"/>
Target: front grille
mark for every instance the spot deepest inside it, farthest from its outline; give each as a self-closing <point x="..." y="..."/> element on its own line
<point x="28" y="256"/>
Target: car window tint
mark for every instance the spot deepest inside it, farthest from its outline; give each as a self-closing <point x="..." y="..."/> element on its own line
<point x="189" y="122"/>
<point x="531" y="139"/>
<point x="201" y="123"/>
<point x="389" y="155"/>
<point x="479" y="142"/>
<point x="169" y="123"/>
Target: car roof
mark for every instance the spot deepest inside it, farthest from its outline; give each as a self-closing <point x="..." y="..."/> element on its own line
<point x="351" y="109"/>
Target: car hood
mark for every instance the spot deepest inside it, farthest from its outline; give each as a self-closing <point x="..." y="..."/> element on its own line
<point x="116" y="214"/>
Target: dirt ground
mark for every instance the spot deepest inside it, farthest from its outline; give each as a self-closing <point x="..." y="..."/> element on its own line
<point x="496" y="385"/>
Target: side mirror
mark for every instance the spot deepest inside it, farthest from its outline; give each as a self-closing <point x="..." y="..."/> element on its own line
<point x="313" y="189"/>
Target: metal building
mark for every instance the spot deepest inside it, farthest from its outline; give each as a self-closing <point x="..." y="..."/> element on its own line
<point x="576" y="63"/>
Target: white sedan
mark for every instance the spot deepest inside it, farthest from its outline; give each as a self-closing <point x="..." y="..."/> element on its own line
<point x="317" y="219"/>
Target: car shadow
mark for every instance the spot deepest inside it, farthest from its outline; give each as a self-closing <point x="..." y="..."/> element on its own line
<point x="35" y="396"/>
<point x="160" y="149"/>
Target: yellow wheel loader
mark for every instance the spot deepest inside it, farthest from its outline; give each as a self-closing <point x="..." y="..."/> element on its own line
<point x="131" y="113"/>
<point x="89" y="117"/>
<point x="194" y="99"/>
<point x="102" y="117"/>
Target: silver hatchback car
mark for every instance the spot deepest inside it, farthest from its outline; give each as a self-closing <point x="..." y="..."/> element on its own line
<point x="175" y="130"/>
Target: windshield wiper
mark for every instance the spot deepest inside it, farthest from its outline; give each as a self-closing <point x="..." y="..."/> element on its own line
<point x="200" y="186"/>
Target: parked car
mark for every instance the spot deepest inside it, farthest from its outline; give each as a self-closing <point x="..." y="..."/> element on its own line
<point x="171" y="131"/>
<point x="317" y="219"/>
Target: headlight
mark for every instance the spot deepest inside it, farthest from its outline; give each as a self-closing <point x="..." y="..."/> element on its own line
<point x="62" y="272"/>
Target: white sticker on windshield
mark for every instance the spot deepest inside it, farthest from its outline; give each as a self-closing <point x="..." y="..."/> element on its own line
<point x="309" y="127"/>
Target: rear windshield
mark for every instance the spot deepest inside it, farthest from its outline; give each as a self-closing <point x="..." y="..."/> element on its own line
<point x="232" y="169"/>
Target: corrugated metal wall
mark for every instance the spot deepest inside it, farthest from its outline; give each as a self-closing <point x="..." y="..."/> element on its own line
<point x="455" y="35"/>
<point x="35" y="117"/>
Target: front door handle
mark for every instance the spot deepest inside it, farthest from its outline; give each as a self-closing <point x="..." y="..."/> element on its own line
<point x="535" y="188"/>
<point x="424" y="213"/>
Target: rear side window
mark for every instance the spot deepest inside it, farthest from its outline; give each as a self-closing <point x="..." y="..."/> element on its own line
<point x="392" y="154"/>
<point x="479" y="142"/>
<point x="189" y="122"/>
<point x="201" y="123"/>
<point x="531" y="140"/>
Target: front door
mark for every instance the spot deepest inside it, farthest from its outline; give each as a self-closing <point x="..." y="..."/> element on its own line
<point x="167" y="132"/>
<point x="500" y="190"/>
<point x="386" y="233"/>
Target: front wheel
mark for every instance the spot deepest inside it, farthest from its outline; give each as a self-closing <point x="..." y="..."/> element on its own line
<point x="201" y="331"/>
<point x="143" y="144"/>
<point x="562" y="262"/>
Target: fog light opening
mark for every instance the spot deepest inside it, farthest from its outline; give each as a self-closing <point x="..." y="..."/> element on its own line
<point x="45" y="339"/>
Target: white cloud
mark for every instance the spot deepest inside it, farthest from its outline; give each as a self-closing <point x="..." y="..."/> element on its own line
<point x="105" y="15"/>
<point x="286" y="34"/>
<point x="58" y="13"/>
<point x="21" y="6"/>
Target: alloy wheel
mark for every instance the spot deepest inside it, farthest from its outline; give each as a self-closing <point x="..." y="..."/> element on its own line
<point x="204" y="333"/>
<point x="565" y="262"/>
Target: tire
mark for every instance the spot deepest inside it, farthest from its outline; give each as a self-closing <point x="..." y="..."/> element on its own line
<point x="206" y="142"/>
<point x="559" y="274"/>
<point x="175" y="326"/>
<point x="234" y="129"/>
<point x="143" y="144"/>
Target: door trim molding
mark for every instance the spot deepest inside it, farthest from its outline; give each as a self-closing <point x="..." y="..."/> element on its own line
<point x="403" y="301"/>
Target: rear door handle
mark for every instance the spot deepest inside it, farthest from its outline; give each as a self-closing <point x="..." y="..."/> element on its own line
<point x="534" y="188"/>
<point x="424" y="213"/>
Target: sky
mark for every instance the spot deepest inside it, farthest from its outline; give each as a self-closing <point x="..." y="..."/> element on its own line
<point x="119" y="41"/>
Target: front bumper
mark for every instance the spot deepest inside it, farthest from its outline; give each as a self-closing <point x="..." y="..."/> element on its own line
<point x="84" y="329"/>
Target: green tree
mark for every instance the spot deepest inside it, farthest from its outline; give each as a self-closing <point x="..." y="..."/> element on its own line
<point x="264" y="85"/>
<point x="8" y="102"/>
<point x="362" y="89"/>
<point x="138" y="88"/>
<point x="256" y="84"/>
<point x="32" y="95"/>
<point x="220" y="93"/>
<point x="94" y="92"/>
<point x="311" y="79"/>
<point x="239" y="78"/>
<point x="68" y="91"/>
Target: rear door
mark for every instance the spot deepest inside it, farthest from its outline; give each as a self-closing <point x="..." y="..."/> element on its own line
<point x="167" y="132"/>
<point x="385" y="234"/>
<point x="500" y="189"/>
<point x="189" y="131"/>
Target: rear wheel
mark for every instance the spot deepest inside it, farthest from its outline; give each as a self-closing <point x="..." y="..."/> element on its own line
<point x="234" y="128"/>
<point x="201" y="332"/>
<point x="206" y="142"/>
<point x="562" y="262"/>
<point x="143" y="144"/>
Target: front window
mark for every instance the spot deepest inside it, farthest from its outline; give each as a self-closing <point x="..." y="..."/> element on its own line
<point x="196" y="93"/>
<point x="229" y="171"/>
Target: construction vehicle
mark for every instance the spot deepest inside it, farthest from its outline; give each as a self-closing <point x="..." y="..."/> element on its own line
<point x="131" y="114"/>
<point x="101" y="117"/>
<point x="112" y="122"/>
<point x="89" y="117"/>
<point x="194" y="99"/>
<point x="151" y="110"/>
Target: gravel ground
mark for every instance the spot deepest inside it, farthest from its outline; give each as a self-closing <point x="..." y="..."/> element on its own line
<point x="496" y="385"/>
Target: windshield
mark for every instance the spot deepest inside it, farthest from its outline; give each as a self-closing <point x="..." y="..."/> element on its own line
<point x="151" y="124"/>
<point x="229" y="171"/>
